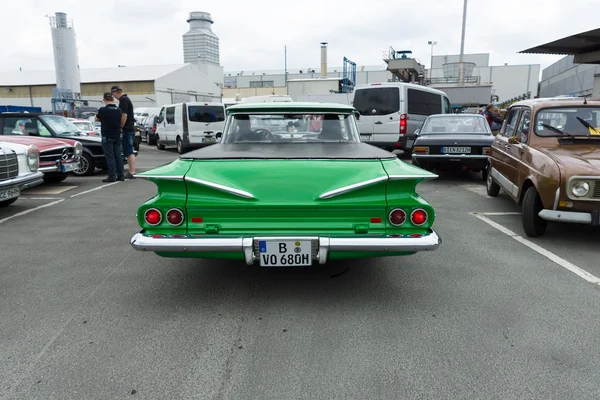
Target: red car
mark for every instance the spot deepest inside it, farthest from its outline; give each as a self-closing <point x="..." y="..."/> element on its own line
<point x="58" y="157"/>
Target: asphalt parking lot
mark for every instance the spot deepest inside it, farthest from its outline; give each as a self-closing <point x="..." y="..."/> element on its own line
<point x="490" y="314"/>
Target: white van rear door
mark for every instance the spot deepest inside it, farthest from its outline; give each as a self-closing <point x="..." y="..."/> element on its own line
<point x="205" y="121"/>
<point x="379" y="107"/>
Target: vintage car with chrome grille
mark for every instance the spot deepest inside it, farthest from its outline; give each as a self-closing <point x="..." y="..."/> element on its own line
<point x="453" y="141"/>
<point x="18" y="170"/>
<point x="547" y="158"/>
<point x="58" y="157"/>
<point x="287" y="196"/>
<point x="57" y="127"/>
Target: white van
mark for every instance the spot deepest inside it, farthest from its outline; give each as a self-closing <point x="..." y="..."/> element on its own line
<point x="391" y="112"/>
<point x="271" y="98"/>
<point x="189" y="125"/>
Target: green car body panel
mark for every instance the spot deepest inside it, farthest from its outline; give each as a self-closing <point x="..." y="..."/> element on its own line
<point x="292" y="198"/>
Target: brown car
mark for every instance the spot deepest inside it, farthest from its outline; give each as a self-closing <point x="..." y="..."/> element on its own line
<point x="547" y="158"/>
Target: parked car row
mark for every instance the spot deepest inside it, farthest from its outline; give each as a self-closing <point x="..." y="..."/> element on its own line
<point x="63" y="148"/>
<point x="19" y="170"/>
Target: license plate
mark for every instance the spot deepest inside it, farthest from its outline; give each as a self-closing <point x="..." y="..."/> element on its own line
<point x="70" y="167"/>
<point x="365" y="138"/>
<point x="456" y="150"/>
<point x="209" y="140"/>
<point x="285" y="253"/>
<point x="7" y="194"/>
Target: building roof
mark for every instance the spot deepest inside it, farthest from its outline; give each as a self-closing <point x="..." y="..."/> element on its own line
<point x="90" y="75"/>
<point x="584" y="46"/>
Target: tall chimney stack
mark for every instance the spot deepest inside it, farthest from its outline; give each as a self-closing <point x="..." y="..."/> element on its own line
<point x="323" y="59"/>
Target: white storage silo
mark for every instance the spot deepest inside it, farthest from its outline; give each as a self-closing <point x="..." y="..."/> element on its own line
<point x="66" y="60"/>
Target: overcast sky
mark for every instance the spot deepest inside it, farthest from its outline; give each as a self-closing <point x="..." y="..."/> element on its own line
<point x="253" y="33"/>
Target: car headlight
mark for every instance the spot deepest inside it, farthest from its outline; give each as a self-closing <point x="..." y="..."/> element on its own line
<point x="580" y="189"/>
<point x="33" y="158"/>
<point x="78" y="149"/>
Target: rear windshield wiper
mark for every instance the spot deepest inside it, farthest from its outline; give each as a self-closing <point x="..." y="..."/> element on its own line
<point x="555" y="129"/>
<point x="587" y="124"/>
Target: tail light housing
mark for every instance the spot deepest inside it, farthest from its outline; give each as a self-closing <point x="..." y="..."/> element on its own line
<point x="419" y="217"/>
<point x="154" y="128"/>
<point x="397" y="217"/>
<point x="421" y="150"/>
<point x="403" y="123"/>
<point x="486" y="151"/>
<point x="175" y="217"/>
<point x="153" y="217"/>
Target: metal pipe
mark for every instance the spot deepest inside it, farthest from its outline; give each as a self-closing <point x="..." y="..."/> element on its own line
<point x="323" y="59"/>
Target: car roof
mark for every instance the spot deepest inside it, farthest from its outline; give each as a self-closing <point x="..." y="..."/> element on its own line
<point x="556" y="102"/>
<point x="457" y="115"/>
<point x="20" y="114"/>
<point x="290" y="107"/>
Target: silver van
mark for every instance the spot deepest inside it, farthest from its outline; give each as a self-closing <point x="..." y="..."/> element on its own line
<point x="391" y="112"/>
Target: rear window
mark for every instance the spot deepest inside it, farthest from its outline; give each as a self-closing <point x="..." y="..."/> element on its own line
<point x="377" y="101"/>
<point x="18" y="126"/>
<point x="206" y="113"/>
<point x="424" y="103"/>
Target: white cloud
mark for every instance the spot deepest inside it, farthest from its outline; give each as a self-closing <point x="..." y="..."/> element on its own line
<point x="253" y="33"/>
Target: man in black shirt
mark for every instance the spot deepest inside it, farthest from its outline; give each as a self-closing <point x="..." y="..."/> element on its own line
<point x="128" y="126"/>
<point x="110" y="117"/>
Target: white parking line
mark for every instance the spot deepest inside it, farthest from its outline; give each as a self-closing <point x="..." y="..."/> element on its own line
<point x="540" y="250"/>
<point x="30" y="210"/>
<point x="39" y="198"/>
<point x="94" y="189"/>
<point x="48" y="190"/>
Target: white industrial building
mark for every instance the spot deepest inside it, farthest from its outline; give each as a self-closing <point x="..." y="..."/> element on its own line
<point x="566" y="78"/>
<point x="506" y="81"/>
<point x="147" y="86"/>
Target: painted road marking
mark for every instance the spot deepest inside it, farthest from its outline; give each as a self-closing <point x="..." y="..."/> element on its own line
<point x="42" y="190"/>
<point x="30" y="210"/>
<point x="500" y="213"/>
<point x="39" y="198"/>
<point x="540" y="250"/>
<point x="94" y="189"/>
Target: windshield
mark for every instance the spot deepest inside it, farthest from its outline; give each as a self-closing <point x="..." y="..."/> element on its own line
<point x="60" y="125"/>
<point x="581" y="121"/>
<point x="455" y="124"/>
<point x="300" y="128"/>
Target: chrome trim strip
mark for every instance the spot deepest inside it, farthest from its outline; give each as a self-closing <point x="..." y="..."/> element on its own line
<point x="24" y="182"/>
<point x="425" y="177"/>
<point x="566" y="216"/>
<point x="354" y="186"/>
<point x="505" y="183"/>
<point x="224" y="188"/>
<point x="54" y="168"/>
<point x="556" y="197"/>
<point x="595" y="179"/>
<point x="245" y="245"/>
<point x="472" y="156"/>
<point x="56" y="148"/>
<point x="148" y="177"/>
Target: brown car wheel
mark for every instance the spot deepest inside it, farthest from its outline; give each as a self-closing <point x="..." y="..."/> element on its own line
<point x="533" y="225"/>
<point x="492" y="187"/>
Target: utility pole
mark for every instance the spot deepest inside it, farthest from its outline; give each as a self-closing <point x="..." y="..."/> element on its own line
<point x="285" y="67"/>
<point x="431" y="43"/>
<point x="461" y="63"/>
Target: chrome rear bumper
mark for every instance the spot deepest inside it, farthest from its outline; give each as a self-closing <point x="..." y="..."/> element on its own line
<point x="247" y="245"/>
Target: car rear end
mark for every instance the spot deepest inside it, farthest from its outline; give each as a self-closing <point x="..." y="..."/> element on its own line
<point x="204" y="121"/>
<point x="272" y="213"/>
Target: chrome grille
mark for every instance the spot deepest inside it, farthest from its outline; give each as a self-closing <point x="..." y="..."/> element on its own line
<point x="57" y="154"/>
<point x="595" y="189"/>
<point x="9" y="164"/>
<point x="314" y="249"/>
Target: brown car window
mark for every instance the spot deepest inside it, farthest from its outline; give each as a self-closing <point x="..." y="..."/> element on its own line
<point x="511" y="122"/>
<point x="524" y="125"/>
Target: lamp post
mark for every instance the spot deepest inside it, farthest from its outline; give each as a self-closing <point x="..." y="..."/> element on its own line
<point x="431" y="43"/>
<point x="461" y="63"/>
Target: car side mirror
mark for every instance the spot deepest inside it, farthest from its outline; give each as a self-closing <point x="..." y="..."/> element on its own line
<point x="514" y="140"/>
<point x="218" y="136"/>
<point x="356" y="115"/>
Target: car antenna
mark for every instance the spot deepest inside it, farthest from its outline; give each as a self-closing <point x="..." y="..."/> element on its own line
<point x="581" y="87"/>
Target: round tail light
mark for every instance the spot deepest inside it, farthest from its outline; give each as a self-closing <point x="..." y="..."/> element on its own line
<point x="419" y="217"/>
<point x="397" y="217"/>
<point x="174" y="217"/>
<point x="153" y="216"/>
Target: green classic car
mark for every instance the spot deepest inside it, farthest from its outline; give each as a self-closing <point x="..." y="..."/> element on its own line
<point x="303" y="191"/>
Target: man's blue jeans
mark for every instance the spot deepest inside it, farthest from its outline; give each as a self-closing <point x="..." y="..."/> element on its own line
<point x="113" y="149"/>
